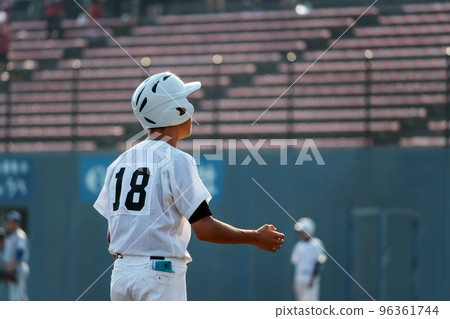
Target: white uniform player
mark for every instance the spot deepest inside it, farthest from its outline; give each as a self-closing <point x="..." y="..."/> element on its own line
<point x="16" y="256"/>
<point x="153" y="195"/>
<point x="307" y="256"/>
<point x="156" y="226"/>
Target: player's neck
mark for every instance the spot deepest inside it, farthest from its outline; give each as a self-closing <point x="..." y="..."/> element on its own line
<point x="171" y="134"/>
<point x="166" y="134"/>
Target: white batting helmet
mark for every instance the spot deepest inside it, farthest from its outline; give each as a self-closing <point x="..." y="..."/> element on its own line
<point x="307" y="225"/>
<point x="160" y="100"/>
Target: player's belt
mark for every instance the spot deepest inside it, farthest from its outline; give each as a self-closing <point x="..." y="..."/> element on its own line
<point x="120" y="256"/>
<point x="157" y="257"/>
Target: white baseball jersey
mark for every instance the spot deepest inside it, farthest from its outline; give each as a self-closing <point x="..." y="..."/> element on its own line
<point x="304" y="257"/>
<point x="150" y="192"/>
<point x="15" y="242"/>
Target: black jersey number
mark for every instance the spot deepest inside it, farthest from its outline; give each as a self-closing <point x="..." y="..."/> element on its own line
<point x="139" y="189"/>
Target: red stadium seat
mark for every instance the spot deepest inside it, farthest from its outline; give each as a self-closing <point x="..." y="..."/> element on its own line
<point x="245" y="26"/>
<point x="55" y="97"/>
<point x="42" y="54"/>
<point x="429" y="7"/>
<point x="41" y="120"/>
<point x="441" y="18"/>
<point x="257" y="129"/>
<point x="48" y="45"/>
<point x="99" y="131"/>
<point x="93" y="32"/>
<point x="345" y="127"/>
<point x="171" y="61"/>
<point x="264" y="16"/>
<point x="401" y="30"/>
<point x="422" y="141"/>
<point x="42" y="108"/>
<point x="391" y="42"/>
<point x="222" y="38"/>
<point x="438" y="126"/>
<point x="102" y="118"/>
<point x="297" y="90"/>
<point x="222" y="48"/>
<point x="30" y="34"/>
<point x="45" y="146"/>
<point x="342" y="142"/>
<point x="358" y="54"/>
<point x="239" y="104"/>
<point x="28" y="25"/>
<point x="63" y="132"/>
<point x="202" y="130"/>
<point x="103" y="107"/>
<point x="41" y="86"/>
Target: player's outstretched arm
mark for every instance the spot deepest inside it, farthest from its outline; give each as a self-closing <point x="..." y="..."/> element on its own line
<point x="214" y="231"/>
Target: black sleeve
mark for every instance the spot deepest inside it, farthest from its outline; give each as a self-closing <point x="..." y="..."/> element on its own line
<point x="317" y="268"/>
<point x="202" y="211"/>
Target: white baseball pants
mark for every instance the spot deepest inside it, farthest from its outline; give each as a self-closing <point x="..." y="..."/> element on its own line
<point x="304" y="293"/>
<point x="17" y="291"/>
<point x="134" y="279"/>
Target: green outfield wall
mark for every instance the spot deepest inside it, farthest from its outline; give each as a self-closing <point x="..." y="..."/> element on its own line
<point x="382" y="214"/>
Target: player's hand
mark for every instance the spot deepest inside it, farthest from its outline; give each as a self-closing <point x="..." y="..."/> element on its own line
<point x="267" y="238"/>
<point x="311" y="283"/>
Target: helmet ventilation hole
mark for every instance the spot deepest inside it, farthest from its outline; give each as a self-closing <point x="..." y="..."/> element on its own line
<point x="148" y="120"/>
<point x="144" y="102"/>
<point x="181" y="110"/>
<point x="139" y="96"/>
<point x="154" y="87"/>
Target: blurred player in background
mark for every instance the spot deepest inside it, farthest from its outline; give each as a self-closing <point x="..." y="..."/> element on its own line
<point x="16" y="257"/>
<point x="2" y="253"/>
<point x="307" y="258"/>
<point x="153" y="195"/>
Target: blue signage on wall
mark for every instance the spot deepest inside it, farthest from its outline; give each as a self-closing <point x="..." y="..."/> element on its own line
<point x="14" y="178"/>
<point x="92" y="176"/>
<point x="211" y="173"/>
<point x="93" y="171"/>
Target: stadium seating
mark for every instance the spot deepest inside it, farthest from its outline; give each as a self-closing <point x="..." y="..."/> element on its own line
<point x="422" y="141"/>
<point x="73" y="94"/>
<point x="242" y="25"/>
<point x="322" y="14"/>
<point x="429" y="7"/>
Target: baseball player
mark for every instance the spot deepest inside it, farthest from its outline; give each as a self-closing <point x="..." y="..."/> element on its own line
<point x="153" y="196"/>
<point x="307" y="257"/>
<point x="3" y="273"/>
<point x="16" y="257"/>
